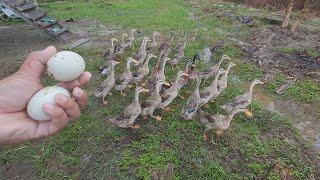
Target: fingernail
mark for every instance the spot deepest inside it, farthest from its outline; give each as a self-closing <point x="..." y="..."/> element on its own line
<point x="61" y="98"/>
<point x="78" y="92"/>
<point x="50" y="48"/>
<point x="89" y="75"/>
<point x="48" y="107"/>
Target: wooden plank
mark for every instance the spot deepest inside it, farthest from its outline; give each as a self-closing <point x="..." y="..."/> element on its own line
<point x="60" y="31"/>
<point x="34" y="14"/>
<point x="26" y="7"/>
<point x="13" y="2"/>
<point x="45" y="22"/>
<point x="76" y="44"/>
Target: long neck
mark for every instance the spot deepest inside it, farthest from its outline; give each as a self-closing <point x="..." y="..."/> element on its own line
<point x="112" y="71"/>
<point x="123" y="38"/>
<point x="158" y="87"/>
<point x="132" y="34"/>
<point x="136" y="97"/>
<point x="251" y="88"/>
<point x="184" y="45"/>
<point x="144" y="45"/>
<point x="128" y="66"/>
<point x="228" y="69"/>
<point x="163" y="65"/>
<point x="198" y="85"/>
<point x="230" y="116"/>
<point x="219" y="63"/>
<point x="154" y="38"/>
<point x="177" y="79"/>
<point x="112" y="43"/>
<point x="216" y="79"/>
<point x="147" y="61"/>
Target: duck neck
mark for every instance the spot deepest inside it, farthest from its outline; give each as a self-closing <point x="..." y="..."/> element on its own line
<point x="144" y="47"/>
<point x="123" y="38"/>
<point x="176" y="82"/>
<point x="154" y="39"/>
<point x="198" y="85"/>
<point x="136" y="97"/>
<point x="219" y="63"/>
<point x="231" y="115"/>
<point x="216" y="79"/>
<point x="128" y="66"/>
<point x="158" y="87"/>
<point x="112" y="44"/>
<point x="163" y="65"/>
<point x="112" y="71"/>
<point x="132" y="34"/>
<point x="251" y="88"/>
<point x="146" y="63"/>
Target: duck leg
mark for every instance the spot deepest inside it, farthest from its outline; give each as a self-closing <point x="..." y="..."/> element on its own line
<point x="181" y="96"/>
<point x="168" y="109"/>
<point x="135" y="126"/>
<point x="205" y="135"/>
<point x="247" y="112"/>
<point x="104" y="102"/>
<point x="157" y="118"/>
<point x="122" y="93"/>
<point x="219" y="132"/>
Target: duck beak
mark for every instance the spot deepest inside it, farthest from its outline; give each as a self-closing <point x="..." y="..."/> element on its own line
<point x="117" y="62"/>
<point x="166" y="83"/>
<point x="186" y="74"/>
<point x="134" y="61"/>
<point x="248" y="113"/>
<point x="146" y="90"/>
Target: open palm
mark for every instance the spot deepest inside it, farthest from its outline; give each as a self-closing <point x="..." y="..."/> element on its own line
<point x="17" y="89"/>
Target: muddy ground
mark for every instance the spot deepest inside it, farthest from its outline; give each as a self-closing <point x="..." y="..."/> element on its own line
<point x="19" y="39"/>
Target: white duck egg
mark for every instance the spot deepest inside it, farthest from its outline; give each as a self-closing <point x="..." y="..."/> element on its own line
<point x="42" y="97"/>
<point x="66" y="66"/>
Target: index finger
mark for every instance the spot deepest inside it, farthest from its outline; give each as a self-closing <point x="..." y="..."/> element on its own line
<point x="81" y="81"/>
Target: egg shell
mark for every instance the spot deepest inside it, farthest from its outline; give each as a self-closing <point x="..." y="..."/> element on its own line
<point x="42" y="97"/>
<point x="66" y="66"/>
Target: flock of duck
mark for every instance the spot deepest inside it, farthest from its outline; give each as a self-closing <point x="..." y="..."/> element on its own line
<point x="160" y="92"/>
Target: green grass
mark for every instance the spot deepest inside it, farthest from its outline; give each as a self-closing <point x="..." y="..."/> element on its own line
<point x="305" y="90"/>
<point x="287" y="50"/>
<point x="93" y="148"/>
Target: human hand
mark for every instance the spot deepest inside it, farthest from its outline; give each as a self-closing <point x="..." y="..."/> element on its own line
<point x="16" y="91"/>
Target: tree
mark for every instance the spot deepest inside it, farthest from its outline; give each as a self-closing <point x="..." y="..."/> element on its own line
<point x="302" y="14"/>
<point x="286" y="19"/>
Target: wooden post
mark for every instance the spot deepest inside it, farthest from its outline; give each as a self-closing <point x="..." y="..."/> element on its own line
<point x="287" y="15"/>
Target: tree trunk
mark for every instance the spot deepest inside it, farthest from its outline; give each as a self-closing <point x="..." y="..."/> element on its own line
<point x="302" y="15"/>
<point x="286" y="19"/>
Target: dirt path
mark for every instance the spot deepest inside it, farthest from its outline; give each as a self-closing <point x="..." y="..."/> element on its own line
<point x="16" y="41"/>
<point x="302" y="115"/>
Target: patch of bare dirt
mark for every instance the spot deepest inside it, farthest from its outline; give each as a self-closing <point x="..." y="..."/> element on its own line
<point x="18" y="171"/>
<point x="265" y="50"/>
<point x="17" y="41"/>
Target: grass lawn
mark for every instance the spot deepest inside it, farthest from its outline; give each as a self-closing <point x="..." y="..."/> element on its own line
<point x="264" y="146"/>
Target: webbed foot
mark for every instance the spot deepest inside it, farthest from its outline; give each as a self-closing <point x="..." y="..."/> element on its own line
<point x="248" y="113"/>
<point x="219" y="132"/>
<point x="135" y="126"/>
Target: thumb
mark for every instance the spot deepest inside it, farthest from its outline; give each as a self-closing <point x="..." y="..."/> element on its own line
<point x="36" y="62"/>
